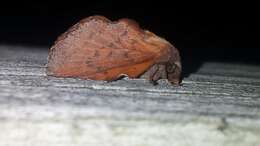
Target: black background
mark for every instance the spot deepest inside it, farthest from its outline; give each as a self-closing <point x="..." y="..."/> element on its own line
<point x="202" y="32"/>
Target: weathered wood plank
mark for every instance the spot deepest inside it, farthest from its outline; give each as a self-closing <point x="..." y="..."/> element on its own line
<point x="217" y="105"/>
<point x="135" y="101"/>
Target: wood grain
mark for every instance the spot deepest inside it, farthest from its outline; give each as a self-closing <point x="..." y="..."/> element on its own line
<point x="217" y="105"/>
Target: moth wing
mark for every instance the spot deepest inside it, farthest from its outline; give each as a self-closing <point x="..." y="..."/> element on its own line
<point x="97" y="49"/>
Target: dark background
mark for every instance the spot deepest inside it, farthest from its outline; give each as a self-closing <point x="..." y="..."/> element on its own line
<point x="202" y="32"/>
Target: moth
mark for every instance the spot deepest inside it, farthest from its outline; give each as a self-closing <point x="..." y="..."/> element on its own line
<point x="99" y="49"/>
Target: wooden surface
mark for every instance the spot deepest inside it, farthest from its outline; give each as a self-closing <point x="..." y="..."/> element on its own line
<point x="219" y="104"/>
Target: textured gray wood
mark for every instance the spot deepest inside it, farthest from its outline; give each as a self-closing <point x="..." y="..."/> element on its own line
<point x="217" y="105"/>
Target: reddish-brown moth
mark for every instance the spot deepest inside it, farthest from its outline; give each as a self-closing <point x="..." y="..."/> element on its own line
<point x="99" y="49"/>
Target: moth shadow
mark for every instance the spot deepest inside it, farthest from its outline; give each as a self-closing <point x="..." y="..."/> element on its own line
<point x="189" y="67"/>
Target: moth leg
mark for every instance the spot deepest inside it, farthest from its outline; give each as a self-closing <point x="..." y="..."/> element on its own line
<point x="155" y="73"/>
<point x="173" y="73"/>
<point x="148" y="75"/>
<point x="160" y="73"/>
